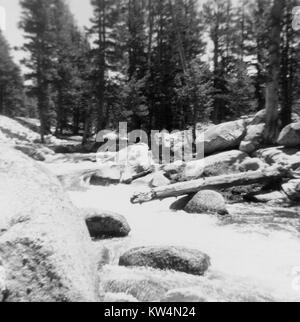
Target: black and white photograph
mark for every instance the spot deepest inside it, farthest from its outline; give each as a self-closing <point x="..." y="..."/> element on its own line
<point x="149" y="154"/>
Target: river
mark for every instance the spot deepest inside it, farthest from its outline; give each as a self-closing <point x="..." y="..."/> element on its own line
<point x="255" y="253"/>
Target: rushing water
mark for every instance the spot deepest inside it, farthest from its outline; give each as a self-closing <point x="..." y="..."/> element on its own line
<point x="255" y="253"/>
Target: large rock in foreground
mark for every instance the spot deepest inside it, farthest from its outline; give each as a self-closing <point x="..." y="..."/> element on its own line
<point x="44" y="243"/>
<point x="223" y="137"/>
<point x="290" y="135"/>
<point x="207" y="201"/>
<point x="106" y="224"/>
<point x="180" y="259"/>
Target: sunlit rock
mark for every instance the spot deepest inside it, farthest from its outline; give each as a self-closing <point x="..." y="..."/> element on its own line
<point x="290" y="135"/>
<point x="223" y="137"/>
<point x="214" y="165"/>
<point x="45" y="247"/>
<point x="207" y="201"/>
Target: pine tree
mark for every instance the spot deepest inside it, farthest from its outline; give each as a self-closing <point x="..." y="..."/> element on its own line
<point x="218" y="16"/>
<point x="289" y="63"/>
<point x="272" y="95"/>
<point x="37" y="23"/>
<point x="258" y="48"/>
<point x="107" y="28"/>
<point x="176" y="42"/>
<point x="11" y="83"/>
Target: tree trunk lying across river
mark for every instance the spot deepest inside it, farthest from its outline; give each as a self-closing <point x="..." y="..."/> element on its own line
<point x="212" y="183"/>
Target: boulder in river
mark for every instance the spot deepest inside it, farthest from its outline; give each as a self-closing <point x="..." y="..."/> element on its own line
<point x="223" y="137"/>
<point x="180" y="259"/>
<point x="45" y="247"/>
<point x="207" y="201"/>
<point x="290" y="136"/>
<point x="106" y="224"/>
<point x="214" y="165"/>
<point x="292" y="189"/>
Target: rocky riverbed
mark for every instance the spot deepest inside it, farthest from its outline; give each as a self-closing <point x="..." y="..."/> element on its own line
<point x="66" y="216"/>
<point x="254" y="251"/>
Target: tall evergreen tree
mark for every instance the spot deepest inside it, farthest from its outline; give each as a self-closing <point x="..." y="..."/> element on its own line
<point x="37" y="23"/>
<point x="106" y="29"/>
<point x="11" y="83"/>
<point x="272" y="94"/>
<point x="289" y="63"/>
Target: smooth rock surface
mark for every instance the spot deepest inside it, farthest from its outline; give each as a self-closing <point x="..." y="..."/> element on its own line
<point x="106" y="224"/>
<point x="45" y="247"/>
<point x="214" y="165"/>
<point x="207" y="201"/>
<point x="180" y="259"/>
<point x="290" y="135"/>
<point x="223" y="137"/>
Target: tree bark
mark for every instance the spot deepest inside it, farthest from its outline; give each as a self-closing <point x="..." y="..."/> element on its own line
<point x="211" y="183"/>
<point x="287" y="70"/>
<point x="101" y="122"/>
<point x="272" y="94"/>
<point x="179" y="37"/>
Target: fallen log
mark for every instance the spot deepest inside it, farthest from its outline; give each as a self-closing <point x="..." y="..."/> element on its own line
<point x="211" y="183"/>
